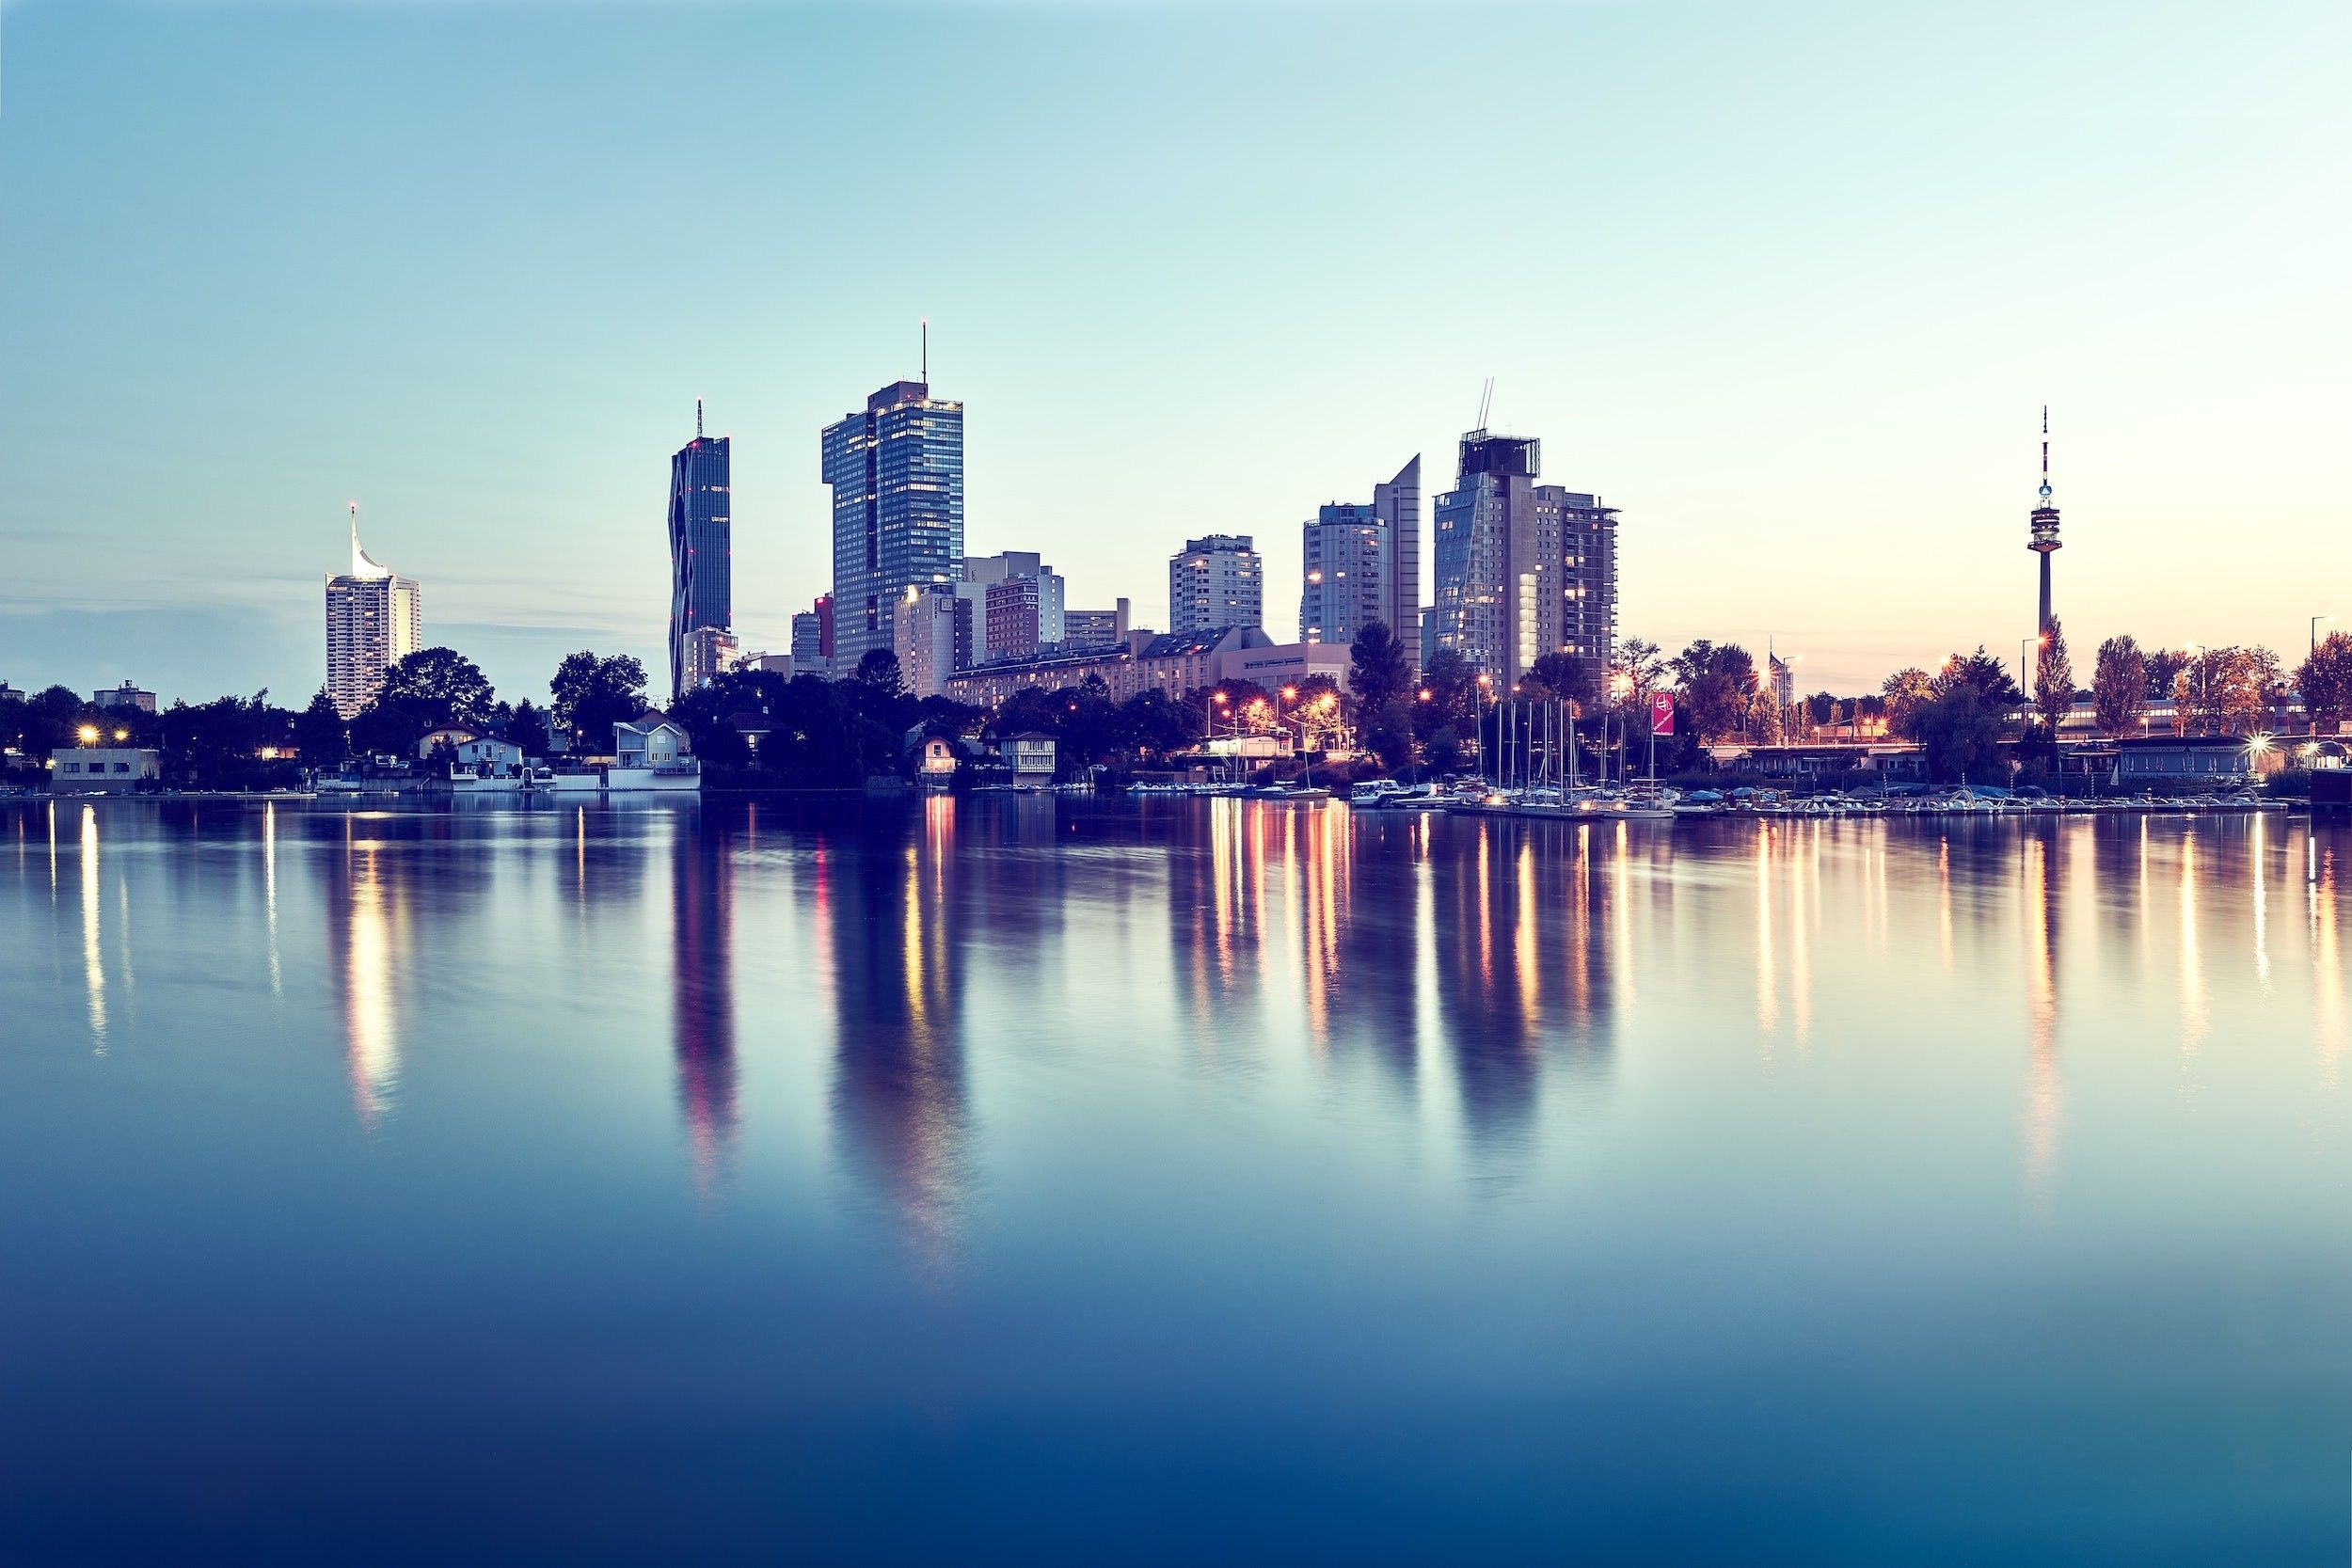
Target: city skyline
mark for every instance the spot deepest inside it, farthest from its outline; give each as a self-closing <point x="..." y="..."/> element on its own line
<point x="1796" y="392"/>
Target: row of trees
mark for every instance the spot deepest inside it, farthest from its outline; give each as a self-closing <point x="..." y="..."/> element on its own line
<point x="2232" y="691"/>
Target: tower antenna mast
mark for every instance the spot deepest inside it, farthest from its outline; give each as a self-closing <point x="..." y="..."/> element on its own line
<point x="698" y="419"/>
<point x="2046" y="454"/>
<point x="926" y="350"/>
<point x="1485" y="401"/>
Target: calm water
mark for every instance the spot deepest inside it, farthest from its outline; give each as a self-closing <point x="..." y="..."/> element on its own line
<point x="1026" y="1180"/>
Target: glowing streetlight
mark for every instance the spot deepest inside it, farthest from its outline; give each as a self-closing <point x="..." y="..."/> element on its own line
<point x="89" y="734"/>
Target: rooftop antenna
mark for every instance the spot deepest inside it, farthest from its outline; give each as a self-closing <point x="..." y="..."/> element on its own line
<point x="926" y="350"/>
<point x="2046" y="454"/>
<point x="1486" y="400"/>
<point x="698" y="419"/>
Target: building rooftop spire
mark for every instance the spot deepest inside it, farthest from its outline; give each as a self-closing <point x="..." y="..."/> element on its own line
<point x="362" y="566"/>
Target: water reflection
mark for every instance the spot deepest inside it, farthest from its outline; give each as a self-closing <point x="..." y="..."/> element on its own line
<point x="93" y="966"/>
<point x="366" y="930"/>
<point x="702" y="981"/>
<point x="895" y="932"/>
<point x="2043" y="1107"/>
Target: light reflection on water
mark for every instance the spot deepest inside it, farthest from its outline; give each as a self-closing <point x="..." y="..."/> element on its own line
<point x="979" y="1165"/>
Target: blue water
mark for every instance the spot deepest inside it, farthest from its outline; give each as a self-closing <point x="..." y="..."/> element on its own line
<point x="1040" y="1180"/>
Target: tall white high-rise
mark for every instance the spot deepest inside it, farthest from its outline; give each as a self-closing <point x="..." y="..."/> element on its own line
<point x="375" y="619"/>
<point x="1216" y="581"/>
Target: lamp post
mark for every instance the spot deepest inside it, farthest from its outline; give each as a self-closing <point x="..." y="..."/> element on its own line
<point x="2315" y="620"/>
<point x="1485" y="684"/>
<point x="2197" y="654"/>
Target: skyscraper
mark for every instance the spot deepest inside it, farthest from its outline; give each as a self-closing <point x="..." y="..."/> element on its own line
<point x="1397" y="504"/>
<point x="375" y="619"/>
<point x="808" y="643"/>
<point x="1344" y="573"/>
<point x="700" y="567"/>
<point x="1215" y="581"/>
<point x="896" y="474"/>
<point x="2043" y="541"/>
<point x="1523" y="569"/>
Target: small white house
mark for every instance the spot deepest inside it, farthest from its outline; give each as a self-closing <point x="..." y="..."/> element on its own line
<point x="488" y="757"/>
<point x="1030" y="754"/>
<point x="653" y="741"/>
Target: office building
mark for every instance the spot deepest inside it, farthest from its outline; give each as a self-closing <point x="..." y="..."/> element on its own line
<point x="1523" y="569"/>
<point x="896" y="474"/>
<point x="127" y="695"/>
<point x="1215" y="581"/>
<point x="701" y="535"/>
<point x="1097" y="628"/>
<point x="709" y="653"/>
<point x="808" y="641"/>
<point x="375" y="619"/>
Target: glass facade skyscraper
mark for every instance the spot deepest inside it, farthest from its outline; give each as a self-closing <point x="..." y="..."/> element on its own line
<point x="896" y="475"/>
<point x="1523" y="569"/>
<point x="702" y="584"/>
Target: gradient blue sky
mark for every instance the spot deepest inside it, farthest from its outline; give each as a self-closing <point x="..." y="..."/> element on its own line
<point x="1785" y="282"/>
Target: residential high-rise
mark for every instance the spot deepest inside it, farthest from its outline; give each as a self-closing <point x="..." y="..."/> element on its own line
<point x="930" y="624"/>
<point x="375" y="619"/>
<point x="700" y="567"/>
<point x="1018" y="604"/>
<point x="1343" y="575"/>
<point x="1397" y="504"/>
<point x="1523" y="569"/>
<point x="896" y="474"/>
<point x="1215" y="581"/>
<point x="2043" y="540"/>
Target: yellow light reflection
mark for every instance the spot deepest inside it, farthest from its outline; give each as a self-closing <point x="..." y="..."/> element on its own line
<point x="93" y="969"/>
<point x="2194" y="1000"/>
<point x="371" y="1025"/>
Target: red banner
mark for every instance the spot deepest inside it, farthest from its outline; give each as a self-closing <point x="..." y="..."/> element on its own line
<point x="1662" y="713"/>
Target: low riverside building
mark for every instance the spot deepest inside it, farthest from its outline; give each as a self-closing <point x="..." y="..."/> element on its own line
<point x="1031" y="756"/>
<point x="101" y="769"/>
<point x="2175" y="761"/>
<point x="1281" y="664"/>
<point x="1176" y="663"/>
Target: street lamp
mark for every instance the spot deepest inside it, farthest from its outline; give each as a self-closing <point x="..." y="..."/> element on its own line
<point x="1485" y="684"/>
<point x="2315" y="620"/>
<point x="89" y="734"/>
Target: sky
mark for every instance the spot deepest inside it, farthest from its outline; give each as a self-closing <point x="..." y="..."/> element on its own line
<point x="1787" y="283"/>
